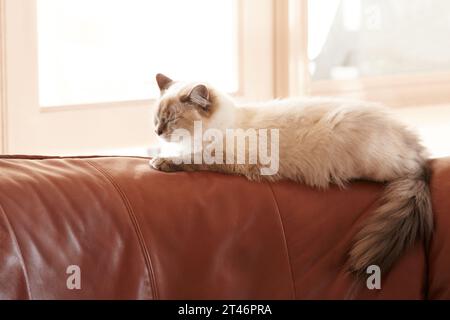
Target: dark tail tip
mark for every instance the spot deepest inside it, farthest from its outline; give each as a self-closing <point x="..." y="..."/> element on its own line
<point x="403" y="217"/>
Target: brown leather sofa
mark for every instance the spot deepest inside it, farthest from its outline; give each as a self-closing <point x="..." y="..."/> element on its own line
<point x="136" y="233"/>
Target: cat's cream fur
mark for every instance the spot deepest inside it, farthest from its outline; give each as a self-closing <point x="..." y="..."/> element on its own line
<point x="322" y="142"/>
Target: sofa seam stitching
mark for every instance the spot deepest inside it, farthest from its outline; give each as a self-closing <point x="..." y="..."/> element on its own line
<point x="19" y="251"/>
<point x="285" y="241"/>
<point x="134" y="222"/>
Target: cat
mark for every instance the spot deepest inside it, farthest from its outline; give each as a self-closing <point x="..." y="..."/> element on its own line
<point x="322" y="141"/>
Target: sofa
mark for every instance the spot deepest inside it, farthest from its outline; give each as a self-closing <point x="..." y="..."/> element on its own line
<point x="135" y="233"/>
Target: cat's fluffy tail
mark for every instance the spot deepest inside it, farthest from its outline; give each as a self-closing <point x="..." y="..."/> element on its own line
<point x="403" y="217"/>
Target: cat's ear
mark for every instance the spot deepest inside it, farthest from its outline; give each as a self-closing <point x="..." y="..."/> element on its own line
<point x="198" y="95"/>
<point x="163" y="81"/>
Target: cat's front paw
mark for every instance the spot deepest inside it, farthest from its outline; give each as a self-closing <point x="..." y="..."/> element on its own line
<point x="164" y="164"/>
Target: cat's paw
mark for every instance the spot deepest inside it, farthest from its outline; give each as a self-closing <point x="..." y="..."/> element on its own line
<point x="163" y="164"/>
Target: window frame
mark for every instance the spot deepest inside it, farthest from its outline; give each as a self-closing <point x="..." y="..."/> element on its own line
<point x="3" y="123"/>
<point x="399" y="90"/>
<point x="25" y="122"/>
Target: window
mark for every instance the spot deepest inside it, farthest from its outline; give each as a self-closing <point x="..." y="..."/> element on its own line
<point x="79" y="74"/>
<point x="349" y="39"/>
<point x="388" y="51"/>
<point x="93" y="51"/>
<point x="394" y="52"/>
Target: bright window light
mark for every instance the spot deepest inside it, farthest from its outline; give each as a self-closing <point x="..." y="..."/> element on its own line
<point x="94" y="51"/>
<point x="349" y="39"/>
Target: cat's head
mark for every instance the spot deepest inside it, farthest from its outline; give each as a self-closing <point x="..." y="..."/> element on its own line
<point x="180" y="104"/>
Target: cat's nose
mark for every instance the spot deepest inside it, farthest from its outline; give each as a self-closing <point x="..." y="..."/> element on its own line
<point x="159" y="131"/>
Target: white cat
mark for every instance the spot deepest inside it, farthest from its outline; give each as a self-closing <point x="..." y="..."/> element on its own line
<point x="321" y="142"/>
